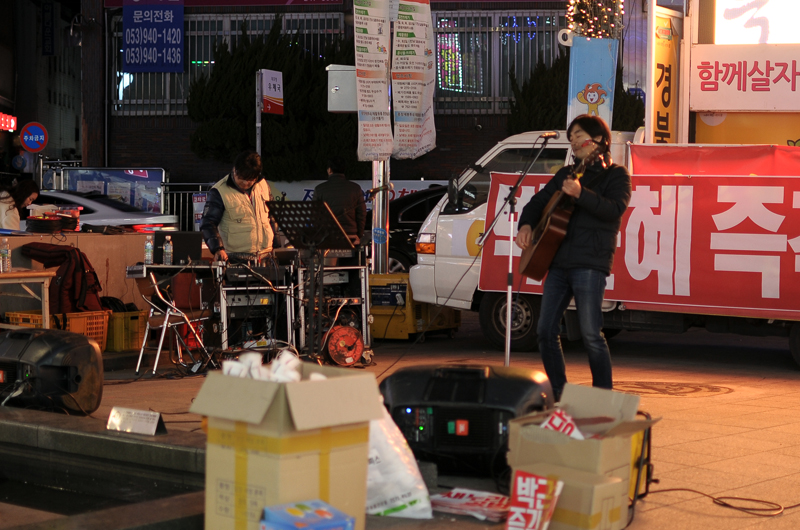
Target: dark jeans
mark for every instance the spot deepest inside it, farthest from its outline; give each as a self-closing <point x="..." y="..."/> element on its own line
<point x="587" y="286"/>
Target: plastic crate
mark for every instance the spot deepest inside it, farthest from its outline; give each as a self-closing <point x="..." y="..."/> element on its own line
<point x="126" y="331"/>
<point x="93" y="324"/>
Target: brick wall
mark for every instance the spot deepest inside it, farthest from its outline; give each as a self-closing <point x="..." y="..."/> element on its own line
<point x="160" y="141"/>
<point x="164" y="142"/>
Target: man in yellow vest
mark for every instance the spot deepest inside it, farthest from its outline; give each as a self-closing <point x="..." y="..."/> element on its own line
<point x="236" y="218"/>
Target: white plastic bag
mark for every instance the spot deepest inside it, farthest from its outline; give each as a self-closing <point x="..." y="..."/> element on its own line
<point x="394" y="483"/>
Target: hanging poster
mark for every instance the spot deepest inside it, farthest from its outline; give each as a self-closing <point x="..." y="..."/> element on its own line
<point x="592" y="77"/>
<point x="413" y="80"/>
<point x="371" y="20"/>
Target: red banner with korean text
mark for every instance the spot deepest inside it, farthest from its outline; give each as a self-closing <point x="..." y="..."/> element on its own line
<point x="715" y="159"/>
<point x="704" y="241"/>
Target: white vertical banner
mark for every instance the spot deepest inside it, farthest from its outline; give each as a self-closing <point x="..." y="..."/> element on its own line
<point x="371" y="19"/>
<point x="413" y="80"/>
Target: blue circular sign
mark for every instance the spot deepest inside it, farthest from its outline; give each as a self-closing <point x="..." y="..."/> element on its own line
<point x="379" y="236"/>
<point x="18" y="162"/>
<point x="33" y="137"/>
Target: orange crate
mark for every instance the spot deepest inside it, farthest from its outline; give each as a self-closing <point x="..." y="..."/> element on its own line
<point x="93" y="324"/>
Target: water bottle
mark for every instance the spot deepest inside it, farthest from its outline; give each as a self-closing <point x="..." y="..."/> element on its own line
<point x="5" y="256"/>
<point x="168" y="251"/>
<point x="148" y="251"/>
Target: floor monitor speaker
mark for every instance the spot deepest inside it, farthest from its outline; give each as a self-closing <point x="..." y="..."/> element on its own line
<point x="457" y="415"/>
<point x="50" y="369"/>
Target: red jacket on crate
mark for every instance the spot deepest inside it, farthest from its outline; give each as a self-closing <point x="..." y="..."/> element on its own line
<point x="75" y="287"/>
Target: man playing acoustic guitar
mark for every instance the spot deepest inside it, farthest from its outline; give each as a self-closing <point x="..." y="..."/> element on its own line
<point x="595" y="193"/>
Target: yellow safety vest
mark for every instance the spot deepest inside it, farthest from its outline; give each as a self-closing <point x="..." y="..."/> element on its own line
<point x="245" y="224"/>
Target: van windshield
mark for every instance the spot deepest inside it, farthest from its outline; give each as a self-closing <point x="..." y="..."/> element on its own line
<point x="515" y="160"/>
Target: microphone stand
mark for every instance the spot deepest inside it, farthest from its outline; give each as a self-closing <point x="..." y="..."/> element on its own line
<point x="511" y="201"/>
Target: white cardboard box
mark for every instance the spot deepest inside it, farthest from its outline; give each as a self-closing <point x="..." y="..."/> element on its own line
<point x="274" y="443"/>
<point x="606" y="413"/>
<point x="588" y="501"/>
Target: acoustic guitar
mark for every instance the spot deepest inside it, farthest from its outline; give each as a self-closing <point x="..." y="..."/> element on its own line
<point x="552" y="227"/>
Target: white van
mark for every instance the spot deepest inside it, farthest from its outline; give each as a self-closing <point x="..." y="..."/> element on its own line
<point x="448" y="258"/>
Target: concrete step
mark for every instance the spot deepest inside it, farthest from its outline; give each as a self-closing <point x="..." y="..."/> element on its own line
<point x="180" y="512"/>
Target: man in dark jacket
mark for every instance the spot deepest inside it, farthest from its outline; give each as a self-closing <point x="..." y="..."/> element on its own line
<point x="345" y="199"/>
<point x="584" y="259"/>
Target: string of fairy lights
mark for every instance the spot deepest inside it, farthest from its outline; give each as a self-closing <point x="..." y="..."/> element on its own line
<point x="601" y="19"/>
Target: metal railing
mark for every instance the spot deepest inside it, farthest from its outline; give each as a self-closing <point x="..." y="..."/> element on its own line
<point x="475" y="51"/>
<point x="178" y="200"/>
<point x="165" y="94"/>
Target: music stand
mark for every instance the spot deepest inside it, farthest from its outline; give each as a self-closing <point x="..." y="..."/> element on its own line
<point x="311" y="226"/>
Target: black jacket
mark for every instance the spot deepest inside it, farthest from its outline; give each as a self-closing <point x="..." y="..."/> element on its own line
<point x="346" y="201"/>
<point x="591" y="237"/>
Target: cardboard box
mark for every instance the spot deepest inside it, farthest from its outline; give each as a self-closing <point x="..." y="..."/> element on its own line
<point x="588" y="501"/>
<point x="306" y="515"/>
<point x="608" y="414"/>
<point x="275" y="443"/>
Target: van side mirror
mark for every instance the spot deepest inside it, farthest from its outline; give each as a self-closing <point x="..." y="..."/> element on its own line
<point x="452" y="192"/>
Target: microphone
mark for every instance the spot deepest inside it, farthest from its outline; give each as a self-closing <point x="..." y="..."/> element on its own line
<point x="550" y="134"/>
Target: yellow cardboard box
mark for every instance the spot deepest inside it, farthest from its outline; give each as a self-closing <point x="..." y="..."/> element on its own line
<point x="587" y="502"/>
<point x="608" y="414"/>
<point x="274" y="443"/>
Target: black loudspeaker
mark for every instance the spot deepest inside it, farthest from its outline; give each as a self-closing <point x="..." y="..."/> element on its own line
<point x="50" y="369"/>
<point x="457" y="415"/>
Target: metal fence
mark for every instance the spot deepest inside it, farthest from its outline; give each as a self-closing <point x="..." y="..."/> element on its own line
<point x="165" y="94"/>
<point x="178" y="200"/>
<point x="475" y="51"/>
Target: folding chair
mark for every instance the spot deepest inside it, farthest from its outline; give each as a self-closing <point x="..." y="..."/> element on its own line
<point x="165" y="315"/>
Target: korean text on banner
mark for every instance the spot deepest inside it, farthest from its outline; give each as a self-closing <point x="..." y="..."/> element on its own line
<point x="592" y="78"/>
<point x="413" y="80"/>
<point x="665" y="97"/>
<point x="688" y="234"/>
<point x="152" y="36"/>
<point x="271" y="92"/>
<point x="734" y="78"/>
<point x="371" y="20"/>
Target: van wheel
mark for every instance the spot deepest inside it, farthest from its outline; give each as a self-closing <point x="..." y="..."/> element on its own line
<point x="794" y="342"/>
<point x="398" y="263"/>
<point x="524" y="319"/>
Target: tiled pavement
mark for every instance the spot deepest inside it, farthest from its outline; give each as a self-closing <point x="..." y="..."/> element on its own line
<point x="730" y="420"/>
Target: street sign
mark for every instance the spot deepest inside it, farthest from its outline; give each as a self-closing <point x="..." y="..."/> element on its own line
<point x="153" y="36"/>
<point x="33" y="137"/>
<point x="272" y="92"/>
